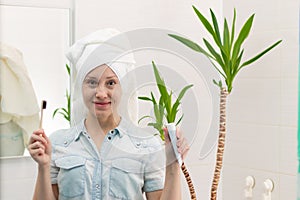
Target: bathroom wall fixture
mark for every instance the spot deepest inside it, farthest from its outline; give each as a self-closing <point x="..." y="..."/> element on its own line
<point x="269" y="187"/>
<point x="250" y="183"/>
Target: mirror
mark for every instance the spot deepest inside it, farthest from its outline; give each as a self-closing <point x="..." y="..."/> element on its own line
<point x="41" y="32"/>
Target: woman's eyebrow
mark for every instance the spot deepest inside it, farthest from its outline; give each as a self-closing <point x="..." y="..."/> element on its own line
<point x="90" y="77"/>
<point x="112" y="76"/>
<point x="94" y="77"/>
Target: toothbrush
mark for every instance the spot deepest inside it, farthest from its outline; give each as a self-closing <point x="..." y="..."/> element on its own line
<point x="172" y="134"/>
<point x="43" y="106"/>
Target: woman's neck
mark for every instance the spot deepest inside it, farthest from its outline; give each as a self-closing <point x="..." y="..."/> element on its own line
<point x="102" y="124"/>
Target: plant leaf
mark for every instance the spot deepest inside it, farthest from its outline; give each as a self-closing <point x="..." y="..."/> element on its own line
<point x="219" y="84"/>
<point x="153" y="98"/>
<point x="64" y="114"/>
<point x="216" y="55"/>
<point x="152" y="124"/>
<point x="161" y="101"/>
<point x="168" y="107"/>
<point x="177" y="102"/>
<point x="216" y="27"/>
<point x="226" y="39"/>
<point x="68" y="69"/>
<point x="241" y="37"/>
<point x="260" y="54"/>
<point x="174" y="111"/>
<point x="180" y="119"/>
<point x="55" y="112"/>
<point x="237" y="63"/>
<point x="233" y="28"/>
<point x="217" y="69"/>
<point x="155" y="125"/>
<point x="194" y="46"/>
<point x="160" y="82"/>
<point x="144" y="117"/>
<point x="161" y="110"/>
<point x="145" y="98"/>
<point x="69" y="105"/>
<point x="205" y="22"/>
<point x="162" y="88"/>
<point x="183" y="91"/>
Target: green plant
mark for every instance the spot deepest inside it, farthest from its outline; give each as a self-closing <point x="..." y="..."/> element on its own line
<point x="227" y="60"/>
<point x="166" y="110"/>
<point x="65" y="112"/>
<point x="230" y="52"/>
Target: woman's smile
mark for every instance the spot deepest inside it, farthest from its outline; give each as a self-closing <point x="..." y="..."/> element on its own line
<point x="102" y="105"/>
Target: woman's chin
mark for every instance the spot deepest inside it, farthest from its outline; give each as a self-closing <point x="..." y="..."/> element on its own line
<point x="104" y="114"/>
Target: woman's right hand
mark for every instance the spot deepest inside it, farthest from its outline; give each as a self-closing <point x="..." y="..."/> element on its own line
<point x="39" y="147"/>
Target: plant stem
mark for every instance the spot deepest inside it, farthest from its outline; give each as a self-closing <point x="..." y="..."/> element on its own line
<point x="189" y="181"/>
<point x="221" y="144"/>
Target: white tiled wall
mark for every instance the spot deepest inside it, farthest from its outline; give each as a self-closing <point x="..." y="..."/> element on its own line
<point x="18" y="177"/>
<point x="262" y="109"/>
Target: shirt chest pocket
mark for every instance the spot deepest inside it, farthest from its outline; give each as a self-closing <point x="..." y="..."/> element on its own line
<point x="71" y="176"/>
<point x="126" y="178"/>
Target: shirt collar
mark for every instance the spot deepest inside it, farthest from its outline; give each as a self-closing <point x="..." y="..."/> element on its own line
<point x="80" y="128"/>
<point x="121" y="129"/>
<point x="125" y="127"/>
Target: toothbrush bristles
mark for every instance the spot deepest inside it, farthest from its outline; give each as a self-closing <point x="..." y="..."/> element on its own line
<point x="44" y="104"/>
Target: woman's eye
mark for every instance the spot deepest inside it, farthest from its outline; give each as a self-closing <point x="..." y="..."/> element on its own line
<point x="111" y="83"/>
<point x="92" y="83"/>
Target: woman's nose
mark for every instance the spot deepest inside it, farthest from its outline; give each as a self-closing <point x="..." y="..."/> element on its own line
<point x="101" y="92"/>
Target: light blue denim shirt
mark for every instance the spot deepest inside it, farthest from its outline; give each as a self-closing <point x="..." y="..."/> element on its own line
<point x="128" y="164"/>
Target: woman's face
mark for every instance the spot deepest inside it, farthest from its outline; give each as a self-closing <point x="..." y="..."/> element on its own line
<point x="101" y="92"/>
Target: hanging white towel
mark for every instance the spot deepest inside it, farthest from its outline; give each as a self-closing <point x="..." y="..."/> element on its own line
<point x="17" y="96"/>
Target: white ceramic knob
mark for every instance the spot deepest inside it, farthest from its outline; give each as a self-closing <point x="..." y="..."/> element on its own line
<point x="250" y="182"/>
<point x="269" y="186"/>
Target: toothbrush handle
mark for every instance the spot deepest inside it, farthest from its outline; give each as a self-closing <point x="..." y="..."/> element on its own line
<point x="172" y="134"/>
<point x="41" y="119"/>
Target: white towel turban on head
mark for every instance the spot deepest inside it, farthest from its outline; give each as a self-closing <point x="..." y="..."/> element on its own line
<point x="105" y="46"/>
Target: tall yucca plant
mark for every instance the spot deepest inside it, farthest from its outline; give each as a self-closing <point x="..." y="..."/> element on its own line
<point x="166" y="110"/>
<point x="227" y="60"/>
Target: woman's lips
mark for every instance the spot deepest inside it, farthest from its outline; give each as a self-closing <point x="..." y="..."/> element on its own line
<point x="102" y="104"/>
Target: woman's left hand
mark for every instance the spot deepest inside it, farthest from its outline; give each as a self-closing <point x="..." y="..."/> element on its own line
<point x="182" y="146"/>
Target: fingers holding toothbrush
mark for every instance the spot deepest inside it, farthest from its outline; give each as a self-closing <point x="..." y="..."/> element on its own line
<point x="182" y="145"/>
<point x="39" y="147"/>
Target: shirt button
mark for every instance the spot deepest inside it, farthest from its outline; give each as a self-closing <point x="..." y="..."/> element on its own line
<point x="65" y="142"/>
<point x="89" y="137"/>
<point x="112" y="131"/>
<point x="109" y="138"/>
<point x="97" y="186"/>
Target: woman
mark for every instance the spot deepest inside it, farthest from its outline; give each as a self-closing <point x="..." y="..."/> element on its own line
<point x="103" y="155"/>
